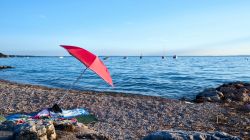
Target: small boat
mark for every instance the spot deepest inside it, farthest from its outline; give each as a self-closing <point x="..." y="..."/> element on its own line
<point x="125" y="57"/>
<point x="141" y="56"/>
<point x="162" y="57"/>
<point x="61" y="57"/>
<point x="105" y="58"/>
<point x="175" y="57"/>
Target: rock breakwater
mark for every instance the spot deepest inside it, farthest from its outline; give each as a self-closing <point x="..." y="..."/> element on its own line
<point x="237" y="92"/>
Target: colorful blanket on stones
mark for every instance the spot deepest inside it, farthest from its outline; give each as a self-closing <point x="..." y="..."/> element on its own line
<point x="66" y="115"/>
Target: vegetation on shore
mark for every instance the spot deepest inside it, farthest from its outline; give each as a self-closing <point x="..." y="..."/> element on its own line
<point x="6" y="56"/>
<point x="3" y="55"/>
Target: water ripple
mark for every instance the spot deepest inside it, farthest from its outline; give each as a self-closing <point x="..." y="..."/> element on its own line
<point x="170" y="78"/>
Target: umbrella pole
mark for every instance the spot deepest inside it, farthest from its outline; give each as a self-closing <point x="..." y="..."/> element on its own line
<point x="78" y="78"/>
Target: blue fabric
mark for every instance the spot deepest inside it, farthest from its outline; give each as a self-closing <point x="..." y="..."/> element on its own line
<point x="65" y="114"/>
<point x="74" y="112"/>
<point x="15" y="117"/>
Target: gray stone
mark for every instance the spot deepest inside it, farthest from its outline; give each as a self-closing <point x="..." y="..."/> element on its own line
<point x="188" y="135"/>
<point x="220" y="94"/>
<point x="228" y="100"/>
<point x="211" y="95"/>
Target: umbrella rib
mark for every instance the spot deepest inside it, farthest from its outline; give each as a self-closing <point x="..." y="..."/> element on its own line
<point x="71" y="86"/>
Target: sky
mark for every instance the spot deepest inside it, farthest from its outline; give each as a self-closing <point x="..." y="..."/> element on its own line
<point x="126" y="27"/>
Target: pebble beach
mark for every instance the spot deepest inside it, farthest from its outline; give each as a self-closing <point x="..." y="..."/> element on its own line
<point x="129" y="116"/>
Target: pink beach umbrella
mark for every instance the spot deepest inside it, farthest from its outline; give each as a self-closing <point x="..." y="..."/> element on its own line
<point x="91" y="62"/>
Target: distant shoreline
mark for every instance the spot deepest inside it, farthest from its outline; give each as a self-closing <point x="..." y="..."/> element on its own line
<point x="6" y="56"/>
<point x="129" y="56"/>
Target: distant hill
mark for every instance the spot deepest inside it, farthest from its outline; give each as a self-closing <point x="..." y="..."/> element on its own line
<point x="3" y="55"/>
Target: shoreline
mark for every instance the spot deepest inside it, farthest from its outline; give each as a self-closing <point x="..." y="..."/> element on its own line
<point x="110" y="93"/>
<point x="128" y="116"/>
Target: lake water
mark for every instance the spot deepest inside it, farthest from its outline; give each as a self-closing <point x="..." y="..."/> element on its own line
<point x="183" y="77"/>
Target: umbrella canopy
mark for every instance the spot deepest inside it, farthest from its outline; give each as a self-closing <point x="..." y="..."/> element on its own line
<point x="91" y="61"/>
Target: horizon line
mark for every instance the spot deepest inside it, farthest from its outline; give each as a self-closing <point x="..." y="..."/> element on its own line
<point x="134" y="55"/>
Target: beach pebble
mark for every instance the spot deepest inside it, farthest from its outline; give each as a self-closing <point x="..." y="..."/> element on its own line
<point x="129" y="116"/>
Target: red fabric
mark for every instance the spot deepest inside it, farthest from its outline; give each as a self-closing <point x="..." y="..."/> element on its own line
<point x="91" y="61"/>
<point x="99" y="68"/>
<point x="86" y="57"/>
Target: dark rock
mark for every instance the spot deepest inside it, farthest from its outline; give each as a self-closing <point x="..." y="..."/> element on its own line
<point x="188" y="135"/>
<point x="236" y="94"/>
<point x="7" y="126"/>
<point x="237" y="91"/>
<point x="65" y="127"/>
<point x="211" y="95"/>
<point x="6" y="135"/>
<point x="91" y="137"/>
<point x="5" y="67"/>
<point x="3" y="55"/>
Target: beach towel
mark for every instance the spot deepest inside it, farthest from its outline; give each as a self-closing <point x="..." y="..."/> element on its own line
<point x="74" y="112"/>
<point x="43" y="113"/>
<point x="65" y="113"/>
<point x="18" y="118"/>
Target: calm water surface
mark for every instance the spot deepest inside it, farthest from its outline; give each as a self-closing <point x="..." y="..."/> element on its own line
<point x="171" y="78"/>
